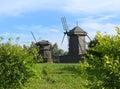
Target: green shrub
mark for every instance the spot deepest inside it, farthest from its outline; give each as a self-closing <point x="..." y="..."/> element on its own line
<point x="33" y="49"/>
<point x="104" y="59"/>
<point x="15" y="66"/>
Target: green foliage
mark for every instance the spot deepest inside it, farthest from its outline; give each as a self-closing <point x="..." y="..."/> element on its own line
<point x="57" y="76"/>
<point x="104" y="59"/>
<point x="81" y="68"/>
<point x="56" y="52"/>
<point x="15" y="65"/>
<point x="33" y="49"/>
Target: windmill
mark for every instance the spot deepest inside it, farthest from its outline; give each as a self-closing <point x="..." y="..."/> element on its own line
<point x="76" y="42"/>
<point x="44" y="49"/>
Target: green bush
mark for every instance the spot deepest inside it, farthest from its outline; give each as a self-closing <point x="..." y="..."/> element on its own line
<point x="15" y="65"/>
<point x="104" y="59"/>
<point x="33" y="49"/>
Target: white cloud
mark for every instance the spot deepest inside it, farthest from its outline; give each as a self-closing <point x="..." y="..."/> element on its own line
<point x="23" y="37"/>
<point x="39" y="29"/>
<point x="30" y="27"/>
<point x="54" y="30"/>
<point x="92" y="28"/>
<point x="5" y="34"/>
<point x="92" y="6"/>
<point x="40" y="32"/>
<point x="17" y="7"/>
<point x="95" y="19"/>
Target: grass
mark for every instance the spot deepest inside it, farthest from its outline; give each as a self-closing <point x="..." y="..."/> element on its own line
<point x="56" y="76"/>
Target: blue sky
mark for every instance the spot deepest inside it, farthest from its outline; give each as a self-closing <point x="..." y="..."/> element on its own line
<point x="42" y="17"/>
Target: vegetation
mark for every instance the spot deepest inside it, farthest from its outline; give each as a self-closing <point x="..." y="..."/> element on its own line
<point x="56" y="52"/>
<point x="15" y="65"/>
<point x="34" y="50"/>
<point x="58" y="76"/>
<point x="103" y="58"/>
<point x="100" y="69"/>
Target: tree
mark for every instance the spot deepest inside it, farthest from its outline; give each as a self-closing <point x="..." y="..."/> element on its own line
<point x="15" y="66"/>
<point x="104" y="57"/>
<point x="56" y="52"/>
<point x="34" y="50"/>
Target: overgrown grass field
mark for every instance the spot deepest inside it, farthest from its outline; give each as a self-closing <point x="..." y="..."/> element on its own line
<point x="57" y="76"/>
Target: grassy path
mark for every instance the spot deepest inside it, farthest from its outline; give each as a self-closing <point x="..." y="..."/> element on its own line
<point x="57" y="76"/>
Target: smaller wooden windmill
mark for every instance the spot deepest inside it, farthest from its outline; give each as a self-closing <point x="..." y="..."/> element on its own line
<point x="76" y="43"/>
<point x="44" y="49"/>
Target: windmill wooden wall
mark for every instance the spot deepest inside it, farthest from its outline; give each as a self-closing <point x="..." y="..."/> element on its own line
<point x="82" y="44"/>
<point x="44" y="50"/>
<point x="77" y="45"/>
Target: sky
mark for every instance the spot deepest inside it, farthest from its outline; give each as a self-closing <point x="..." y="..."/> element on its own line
<point x="43" y="17"/>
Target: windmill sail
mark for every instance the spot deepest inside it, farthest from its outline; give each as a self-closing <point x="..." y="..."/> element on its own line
<point x="33" y="36"/>
<point x="64" y="23"/>
<point x="65" y="27"/>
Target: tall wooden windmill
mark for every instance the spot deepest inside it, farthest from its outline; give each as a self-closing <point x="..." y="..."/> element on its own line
<point x="76" y="43"/>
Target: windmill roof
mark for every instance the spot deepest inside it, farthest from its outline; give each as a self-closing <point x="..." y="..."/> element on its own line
<point x="43" y="42"/>
<point x="77" y="30"/>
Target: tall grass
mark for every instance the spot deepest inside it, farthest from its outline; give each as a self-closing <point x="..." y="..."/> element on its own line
<point x="57" y="76"/>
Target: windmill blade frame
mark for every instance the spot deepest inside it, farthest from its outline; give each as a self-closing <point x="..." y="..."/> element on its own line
<point x="34" y="37"/>
<point x="63" y="39"/>
<point x="65" y="27"/>
<point x="64" y="23"/>
<point x="89" y="38"/>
